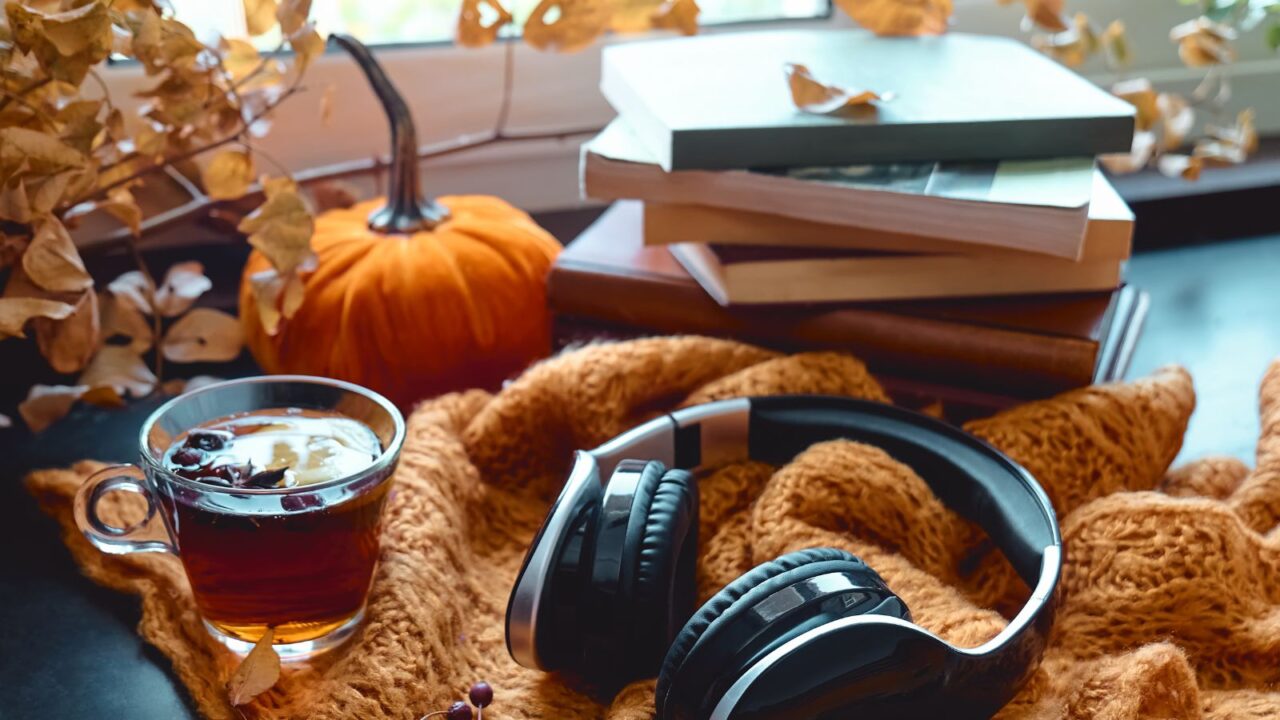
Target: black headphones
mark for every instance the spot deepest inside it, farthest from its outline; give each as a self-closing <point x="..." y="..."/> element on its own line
<point x="607" y="588"/>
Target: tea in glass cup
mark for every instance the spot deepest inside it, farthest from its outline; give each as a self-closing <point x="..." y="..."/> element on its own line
<point x="271" y="492"/>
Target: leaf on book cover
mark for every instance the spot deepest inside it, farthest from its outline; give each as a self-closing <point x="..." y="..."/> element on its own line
<point x="479" y="22"/>
<point x="678" y="15"/>
<point x="1175" y="165"/>
<point x="899" y="17"/>
<point x="567" y="25"/>
<point x="1202" y="42"/>
<point x="1144" y="146"/>
<point x="257" y="673"/>
<point x="814" y="96"/>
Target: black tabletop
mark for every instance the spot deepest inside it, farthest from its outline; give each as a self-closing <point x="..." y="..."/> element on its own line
<point x="69" y="649"/>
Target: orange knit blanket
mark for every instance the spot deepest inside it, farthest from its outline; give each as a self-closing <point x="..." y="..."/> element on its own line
<point x="1170" y="595"/>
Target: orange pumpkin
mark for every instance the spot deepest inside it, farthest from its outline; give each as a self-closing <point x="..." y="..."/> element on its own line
<point x="413" y="297"/>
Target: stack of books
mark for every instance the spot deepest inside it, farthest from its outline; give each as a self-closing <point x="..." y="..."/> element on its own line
<point x="958" y="237"/>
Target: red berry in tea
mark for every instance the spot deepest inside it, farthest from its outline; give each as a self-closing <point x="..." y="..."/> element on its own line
<point x="276" y="448"/>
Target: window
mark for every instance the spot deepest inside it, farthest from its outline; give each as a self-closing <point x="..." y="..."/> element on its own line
<point x="424" y="21"/>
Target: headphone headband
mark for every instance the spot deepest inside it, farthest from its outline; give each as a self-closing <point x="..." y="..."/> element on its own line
<point x="968" y="475"/>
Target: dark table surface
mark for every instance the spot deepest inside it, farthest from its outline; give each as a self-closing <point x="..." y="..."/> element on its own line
<point x="69" y="649"/>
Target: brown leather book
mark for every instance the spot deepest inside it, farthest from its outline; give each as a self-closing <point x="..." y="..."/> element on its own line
<point x="1016" y="348"/>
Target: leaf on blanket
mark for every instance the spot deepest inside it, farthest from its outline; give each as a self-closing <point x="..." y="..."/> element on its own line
<point x="814" y="96"/>
<point x="257" y="673"/>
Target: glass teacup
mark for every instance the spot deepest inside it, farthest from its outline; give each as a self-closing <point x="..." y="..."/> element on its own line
<point x="298" y="560"/>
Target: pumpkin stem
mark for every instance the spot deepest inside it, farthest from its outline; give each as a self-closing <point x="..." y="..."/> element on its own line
<point x="407" y="210"/>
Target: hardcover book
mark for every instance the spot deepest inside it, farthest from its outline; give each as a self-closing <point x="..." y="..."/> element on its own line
<point x="1039" y="206"/>
<point x="1031" y="346"/>
<point x="722" y="101"/>
<point x="1108" y="234"/>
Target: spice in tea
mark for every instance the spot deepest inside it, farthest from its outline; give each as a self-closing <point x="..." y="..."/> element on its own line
<point x="277" y="448"/>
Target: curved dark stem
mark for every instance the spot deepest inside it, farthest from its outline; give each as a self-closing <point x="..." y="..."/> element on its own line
<point x="407" y="209"/>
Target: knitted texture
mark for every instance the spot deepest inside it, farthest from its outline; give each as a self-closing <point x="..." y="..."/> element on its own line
<point x="1170" y="593"/>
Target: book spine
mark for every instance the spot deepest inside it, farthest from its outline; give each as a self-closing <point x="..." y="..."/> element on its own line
<point x="997" y="360"/>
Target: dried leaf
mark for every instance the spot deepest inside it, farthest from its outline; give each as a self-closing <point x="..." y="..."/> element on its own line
<point x="1243" y="135"/>
<point x="11" y="248"/>
<point x="1186" y="167"/>
<point x="228" y="176"/>
<point x="479" y="22"/>
<point x="1203" y="42"/>
<point x="38" y="153"/>
<point x="133" y="288"/>
<point x="103" y="396"/>
<point x="16" y="311"/>
<point x="121" y="205"/>
<point x="1177" y="119"/>
<point x="567" y="25"/>
<point x="292" y="15"/>
<point x="899" y="17"/>
<point x="1115" y="40"/>
<point x="679" y="15"/>
<point x="281" y="228"/>
<point x="633" y="16"/>
<point x="183" y="285"/>
<point x="1047" y="15"/>
<point x="47" y="404"/>
<point x="1214" y="153"/>
<point x="257" y="673"/>
<point x="65" y="43"/>
<point x="52" y="262"/>
<point x="814" y="96"/>
<point x="278" y="297"/>
<point x="326" y="104"/>
<point x="120" y="319"/>
<point x="1139" y="93"/>
<point x="259" y="16"/>
<point x="121" y="369"/>
<point x="203" y="335"/>
<point x="307" y="45"/>
<point x="240" y="57"/>
<point x="333" y="194"/>
<point x="1144" y="145"/>
<point x="6" y="422"/>
<point x="69" y="343"/>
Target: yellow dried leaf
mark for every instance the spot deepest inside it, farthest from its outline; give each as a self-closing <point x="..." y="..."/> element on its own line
<point x="1047" y="14"/>
<point x="679" y="15"/>
<point x="307" y="45"/>
<point x="277" y="297"/>
<point x="121" y="205"/>
<point x="1177" y="119"/>
<point x="133" y="288"/>
<point x="281" y="228"/>
<point x="1139" y="93"/>
<point x="814" y="96"/>
<point x="1214" y="153"/>
<point x="1115" y="40"/>
<point x="257" y="673"/>
<point x="633" y="16"/>
<point x="567" y="25"/>
<point x="1144" y="145"/>
<point x="203" y="335"/>
<point x="52" y="261"/>
<point x="899" y="17"/>
<point x="239" y="57"/>
<point x="78" y="124"/>
<point x="16" y="311"/>
<point x="68" y="344"/>
<point x="1243" y="135"/>
<point x="1186" y="167"/>
<point x="120" y="319"/>
<point x="259" y="16"/>
<point x="119" y="368"/>
<point x="292" y="15"/>
<point x="183" y="284"/>
<point x="479" y="22"/>
<point x="47" y="404"/>
<point x="1203" y="42"/>
<point x="103" y="396"/>
<point x="228" y="175"/>
<point x="66" y="43"/>
<point x="39" y="154"/>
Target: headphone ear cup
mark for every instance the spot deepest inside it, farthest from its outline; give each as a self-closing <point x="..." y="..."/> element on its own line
<point x="664" y="588"/>
<point x="723" y="633"/>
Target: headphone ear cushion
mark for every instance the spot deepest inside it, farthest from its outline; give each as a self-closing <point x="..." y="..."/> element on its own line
<point x="759" y="582"/>
<point x="664" y="586"/>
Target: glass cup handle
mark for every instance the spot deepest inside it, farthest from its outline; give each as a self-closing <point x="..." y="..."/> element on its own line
<point x="147" y="535"/>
